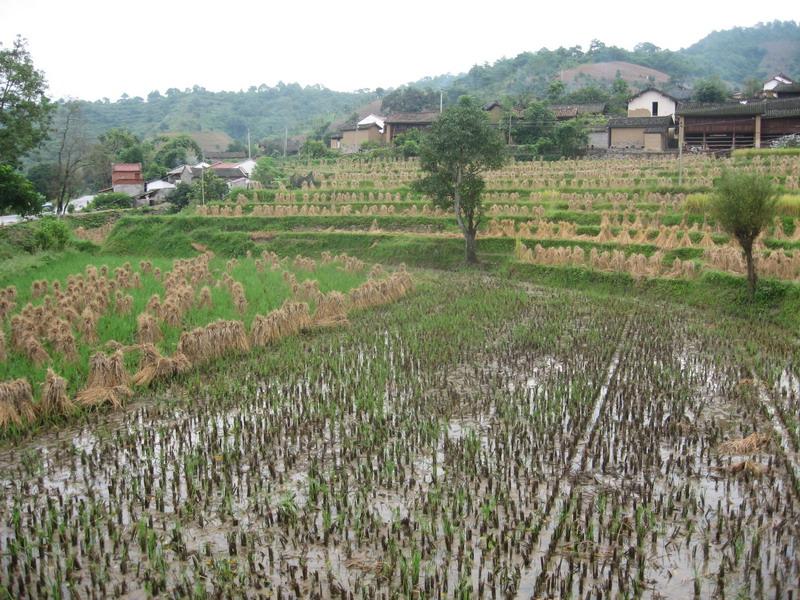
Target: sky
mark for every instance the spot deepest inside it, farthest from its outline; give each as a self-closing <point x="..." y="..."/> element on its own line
<point x="93" y="49"/>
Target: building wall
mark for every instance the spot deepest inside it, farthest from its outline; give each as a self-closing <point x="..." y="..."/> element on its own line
<point x="132" y="189"/>
<point x="335" y="143"/>
<point x="654" y="142"/>
<point x="352" y="140"/>
<point x="627" y="137"/>
<point x="642" y="105"/>
<point x="598" y="139"/>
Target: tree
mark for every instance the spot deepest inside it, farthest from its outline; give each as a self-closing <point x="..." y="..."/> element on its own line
<point x="267" y="172"/>
<point x="744" y="204"/>
<point x="571" y="138"/>
<point x="25" y="111"/>
<point x="17" y="194"/>
<point x="71" y="151"/>
<point x="459" y="146"/>
<point x="538" y="122"/>
<point x="111" y="200"/>
<point x="711" y="89"/>
<point x="209" y="187"/>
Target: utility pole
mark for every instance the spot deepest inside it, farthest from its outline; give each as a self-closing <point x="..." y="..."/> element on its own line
<point x="249" y="155"/>
<point x="681" y="133"/>
<point x="285" y="139"/>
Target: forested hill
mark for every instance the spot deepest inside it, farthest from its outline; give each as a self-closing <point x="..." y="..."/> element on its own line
<point x="264" y="110"/>
<point x="735" y="55"/>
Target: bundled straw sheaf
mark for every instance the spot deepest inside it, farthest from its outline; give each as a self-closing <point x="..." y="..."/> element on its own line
<point x="290" y="319"/>
<point x="54" y="395"/>
<point x="213" y="341"/>
<point x="16" y="402"/>
<point x="107" y="382"/>
<point x="331" y="310"/>
<point x="153" y="366"/>
<point x="147" y="329"/>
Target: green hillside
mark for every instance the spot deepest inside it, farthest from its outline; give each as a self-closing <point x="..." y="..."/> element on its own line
<point x="734" y="55"/>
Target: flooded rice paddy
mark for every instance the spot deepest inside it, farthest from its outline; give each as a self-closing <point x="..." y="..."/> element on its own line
<point x="566" y="448"/>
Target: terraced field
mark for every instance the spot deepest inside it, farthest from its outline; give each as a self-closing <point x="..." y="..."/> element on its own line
<point x="546" y="426"/>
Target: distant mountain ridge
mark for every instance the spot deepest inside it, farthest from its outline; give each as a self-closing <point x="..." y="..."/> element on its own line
<point x="735" y="55"/>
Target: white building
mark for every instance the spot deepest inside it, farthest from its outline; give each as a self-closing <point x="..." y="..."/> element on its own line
<point x="652" y="103"/>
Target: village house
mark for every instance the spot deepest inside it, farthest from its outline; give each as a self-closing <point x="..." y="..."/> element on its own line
<point x="650" y="134"/>
<point x="565" y="112"/>
<point x="652" y="102"/>
<point x="770" y="89"/>
<point x="745" y="124"/>
<point x="350" y="139"/>
<point x="126" y="178"/>
<point x="401" y="122"/>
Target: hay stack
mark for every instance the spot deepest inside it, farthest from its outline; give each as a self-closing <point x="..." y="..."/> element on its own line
<point x="54" y="395"/>
<point x="34" y="351"/>
<point x="331" y="310"/>
<point x="107" y="382"/>
<point x="153" y="366"/>
<point x="204" y="299"/>
<point x="16" y="402"/>
<point x="147" y="329"/>
<point x="213" y="341"/>
<point x="290" y="319"/>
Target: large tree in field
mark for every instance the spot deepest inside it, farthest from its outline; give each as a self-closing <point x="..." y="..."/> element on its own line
<point x="460" y="146"/>
<point x="744" y="204"/>
<point x="24" y="109"/>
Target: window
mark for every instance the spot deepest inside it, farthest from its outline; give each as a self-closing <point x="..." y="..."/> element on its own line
<point x="655" y="109"/>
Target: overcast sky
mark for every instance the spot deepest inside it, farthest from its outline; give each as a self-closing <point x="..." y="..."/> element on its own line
<point x="92" y="49"/>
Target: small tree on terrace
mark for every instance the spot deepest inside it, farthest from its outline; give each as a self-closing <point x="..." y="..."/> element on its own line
<point x="459" y="146"/>
<point x="744" y="204"/>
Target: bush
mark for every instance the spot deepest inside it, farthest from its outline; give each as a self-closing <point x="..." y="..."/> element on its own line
<point x="51" y="234"/>
<point x="110" y="200"/>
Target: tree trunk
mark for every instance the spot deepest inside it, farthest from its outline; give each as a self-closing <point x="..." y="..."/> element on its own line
<point x="751" y="269"/>
<point x="470" y="246"/>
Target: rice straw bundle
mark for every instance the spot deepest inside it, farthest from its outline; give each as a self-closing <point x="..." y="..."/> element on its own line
<point x="54" y="395"/>
<point x="213" y="341"/>
<point x="331" y="310"/>
<point x="86" y="325"/>
<point x="107" y="371"/>
<point x="38" y="288"/>
<point x="307" y="291"/>
<point x="123" y="303"/>
<point x="153" y="366"/>
<point x="290" y="319"/>
<point x="154" y="304"/>
<point x="34" y="351"/>
<point x="3" y="353"/>
<point x="752" y="443"/>
<point x="146" y="266"/>
<point x="107" y="382"/>
<point x="239" y="298"/>
<point x="204" y="299"/>
<point x="16" y="402"/>
<point x="147" y="329"/>
<point x="6" y="306"/>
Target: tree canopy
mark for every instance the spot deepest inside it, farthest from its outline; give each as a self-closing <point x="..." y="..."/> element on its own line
<point x="25" y="110"/>
<point x="17" y="194"/>
<point x="459" y="146"/>
<point x="744" y="204"/>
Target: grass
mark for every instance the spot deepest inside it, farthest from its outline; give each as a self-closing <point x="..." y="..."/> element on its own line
<point x="265" y="292"/>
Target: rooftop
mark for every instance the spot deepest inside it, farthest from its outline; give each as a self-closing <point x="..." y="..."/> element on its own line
<point x="659" y="123"/>
<point x="420" y="117"/>
<point x="770" y="109"/>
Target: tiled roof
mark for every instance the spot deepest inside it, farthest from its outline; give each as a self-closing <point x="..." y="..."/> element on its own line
<point x="410" y="118"/>
<point x="126" y="167"/>
<point x="572" y="110"/>
<point x="659" y="123"/>
<point x="780" y="107"/>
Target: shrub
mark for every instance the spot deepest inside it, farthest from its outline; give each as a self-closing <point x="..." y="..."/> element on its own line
<point x="111" y="200"/>
<point x="51" y="234"/>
